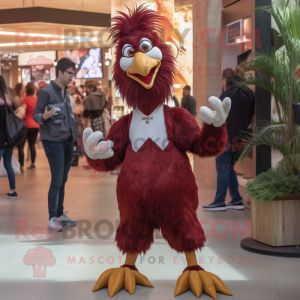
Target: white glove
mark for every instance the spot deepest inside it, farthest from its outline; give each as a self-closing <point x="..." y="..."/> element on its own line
<point x="93" y="149"/>
<point x="219" y="116"/>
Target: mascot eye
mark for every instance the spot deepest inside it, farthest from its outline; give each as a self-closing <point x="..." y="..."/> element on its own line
<point x="145" y="48"/>
<point x="145" y="45"/>
<point x="128" y="51"/>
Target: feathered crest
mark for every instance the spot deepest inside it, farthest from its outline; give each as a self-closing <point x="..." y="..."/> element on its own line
<point x="140" y="17"/>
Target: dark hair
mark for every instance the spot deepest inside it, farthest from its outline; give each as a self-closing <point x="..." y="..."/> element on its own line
<point x="18" y="88"/>
<point x="30" y="89"/>
<point x="64" y="64"/>
<point x="232" y="75"/>
<point x="91" y="84"/>
<point x="3" y="88"/>
<point x="187" y="87"/>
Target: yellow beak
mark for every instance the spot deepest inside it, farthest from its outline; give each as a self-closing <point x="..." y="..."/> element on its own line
<point x="141" y="69"/>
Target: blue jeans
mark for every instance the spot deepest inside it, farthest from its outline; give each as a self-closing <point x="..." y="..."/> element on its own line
<point x="226" y="178"/>
<point x="7" y="154"/>
<point x="60" y="155"/>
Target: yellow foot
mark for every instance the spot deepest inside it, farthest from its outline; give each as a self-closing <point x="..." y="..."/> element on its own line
<point x="117" y="278"/>
<point x="199" y="282"/>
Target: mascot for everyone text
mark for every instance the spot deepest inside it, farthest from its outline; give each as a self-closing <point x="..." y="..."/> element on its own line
<point x="156" y="188"/>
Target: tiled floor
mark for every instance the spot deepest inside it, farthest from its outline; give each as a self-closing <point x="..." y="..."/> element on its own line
<point x="81" y="254"/>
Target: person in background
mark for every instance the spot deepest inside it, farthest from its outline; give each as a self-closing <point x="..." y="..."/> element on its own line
<point x="99" y="86"/>
<point x="77" y="90"/>
<point x="20" y="93"/>
<point x="72" y="100"/>
<point x="41" y="85"/>
<point x="57" y="131"/>
<point x="73" y="92"/>
<point x="94" y="105"/>
<point x="174" y="98"/>
<point x="29" y="104"/>
<point x="109" y="101"/>
<point x="240" y="117"/>
<point x="73" y="104"/>
<point x="81" y="90"/>
<point x="188" y="102"/>
<point x="6" y="151"/>
<point x="172" y="101"/>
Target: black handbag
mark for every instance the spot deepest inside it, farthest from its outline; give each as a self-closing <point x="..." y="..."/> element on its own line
<point x="15" y="127"/>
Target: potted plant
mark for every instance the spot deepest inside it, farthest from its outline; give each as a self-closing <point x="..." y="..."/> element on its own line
<point x="275" y="204"/>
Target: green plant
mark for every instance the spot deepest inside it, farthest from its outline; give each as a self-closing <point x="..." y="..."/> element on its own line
<point x="284" y="135"/>
<point x="268" y="185"/>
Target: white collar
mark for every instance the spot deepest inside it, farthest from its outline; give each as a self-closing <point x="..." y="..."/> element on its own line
<point x="143" y="127"/>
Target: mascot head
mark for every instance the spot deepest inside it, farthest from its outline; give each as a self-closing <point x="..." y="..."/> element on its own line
<point x="145" y="66"/>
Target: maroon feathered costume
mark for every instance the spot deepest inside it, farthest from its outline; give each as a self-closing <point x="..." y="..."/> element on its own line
<point x="156" y="188"/>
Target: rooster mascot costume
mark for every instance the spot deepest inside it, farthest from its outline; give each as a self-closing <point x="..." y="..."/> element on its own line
<point x="156" y="188"/>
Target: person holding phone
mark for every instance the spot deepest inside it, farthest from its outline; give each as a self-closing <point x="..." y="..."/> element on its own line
<point x="58" y="132"/>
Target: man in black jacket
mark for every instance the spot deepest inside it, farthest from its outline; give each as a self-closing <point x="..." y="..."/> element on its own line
<point x="58" y="132"/>
<point x="188" y="102"/>
<point x="241" y="115"/>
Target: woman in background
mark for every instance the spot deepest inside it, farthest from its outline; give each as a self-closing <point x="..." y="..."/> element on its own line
<point x="20" y="93"/>
<point x="29" y="103"/>
<point x="5" y="150"/>
<point x="94" y="105"/>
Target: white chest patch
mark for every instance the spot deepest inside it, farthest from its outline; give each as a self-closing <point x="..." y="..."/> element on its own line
<point x="144" y="127"/>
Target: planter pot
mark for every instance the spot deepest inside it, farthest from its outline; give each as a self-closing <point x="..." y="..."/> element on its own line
<point x="277" y="223"/>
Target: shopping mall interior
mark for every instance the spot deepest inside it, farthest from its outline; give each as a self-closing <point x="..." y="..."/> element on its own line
<point x="254" y="248"/>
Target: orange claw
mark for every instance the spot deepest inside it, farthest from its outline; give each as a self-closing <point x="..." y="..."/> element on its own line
<point x="103" y="279"/>
<point x="117" y="278"/>
<point x="220" y="285"/>
<point x="199" y="282"/>
<point x="182" y="284"/>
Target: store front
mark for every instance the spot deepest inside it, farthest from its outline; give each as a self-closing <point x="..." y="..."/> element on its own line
<point x="31" y="46"/>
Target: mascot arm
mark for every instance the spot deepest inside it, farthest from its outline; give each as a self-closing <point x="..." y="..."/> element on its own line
<point x="206" y="142"/>
<point x="119" y="135"/>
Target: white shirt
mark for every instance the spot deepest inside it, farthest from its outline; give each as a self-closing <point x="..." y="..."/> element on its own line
<point x="143" y="127"/>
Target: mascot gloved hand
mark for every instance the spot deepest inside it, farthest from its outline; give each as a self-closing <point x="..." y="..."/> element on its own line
<point x="156" y="188"/>
<point x="93" y="148"/>
<point x="219" y="116"/>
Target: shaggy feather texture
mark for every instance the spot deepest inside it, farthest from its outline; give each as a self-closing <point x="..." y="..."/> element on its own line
<point x="119" y="134"/>
<point x="208" y="142"/>
<point x="156" y="188"/>
<point x="130" y="29"/>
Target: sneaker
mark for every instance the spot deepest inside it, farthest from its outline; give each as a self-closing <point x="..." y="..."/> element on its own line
<point x="12" y="195"/>
<point x="54" y="224"/>
<point x="215" y="206"/>
<point x="66" y="220"/>
<point x="32" y="167"/>
<point x="233" y="205"/>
